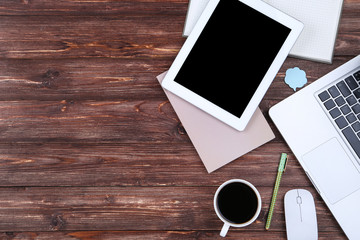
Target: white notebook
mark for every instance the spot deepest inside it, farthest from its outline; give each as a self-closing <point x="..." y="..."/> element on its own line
<point x="320" y="17"/>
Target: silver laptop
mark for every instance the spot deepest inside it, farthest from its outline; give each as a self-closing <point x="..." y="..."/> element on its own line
<point x="321" y="124"/>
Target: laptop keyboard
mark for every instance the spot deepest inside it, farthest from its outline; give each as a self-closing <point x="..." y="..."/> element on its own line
<point x="342" y="101"/>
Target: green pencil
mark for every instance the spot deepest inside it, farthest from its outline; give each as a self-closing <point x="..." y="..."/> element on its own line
<point x="281" y="169"/>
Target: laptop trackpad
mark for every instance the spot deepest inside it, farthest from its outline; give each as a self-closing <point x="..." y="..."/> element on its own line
<point x="332" y="170"/>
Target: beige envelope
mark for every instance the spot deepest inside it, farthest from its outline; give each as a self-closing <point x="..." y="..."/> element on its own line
<point x="217" y="143"/>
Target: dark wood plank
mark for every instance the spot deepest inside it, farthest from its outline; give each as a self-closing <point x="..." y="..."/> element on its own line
<point x="94" y="7"/>
<point x="81" y="79"/>
<point x="138" y="34"/>
<point x="120" y="164"/>
<point x="140" y="235"/>
<point x="122" y="121"/>
<point x="82" y="37"/>
<point x="116" y="79"/>
<point x="114" y="208"/>
<point x="124" y="36"/>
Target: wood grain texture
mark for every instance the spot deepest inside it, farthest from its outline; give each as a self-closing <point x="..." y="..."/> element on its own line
<point x="90" y="147"/>
<point x="140" y="235"/>
<point x="107" y="164"/>
<point x="114" y="208"/>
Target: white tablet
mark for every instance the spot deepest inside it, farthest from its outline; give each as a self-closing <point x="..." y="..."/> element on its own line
<point x="231" y="57"/>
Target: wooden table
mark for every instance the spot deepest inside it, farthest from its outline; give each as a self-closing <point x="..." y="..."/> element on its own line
<point x="90" y="147"/>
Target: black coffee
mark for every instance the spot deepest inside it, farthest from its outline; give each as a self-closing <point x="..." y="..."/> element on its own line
<point x="237" y="202"/>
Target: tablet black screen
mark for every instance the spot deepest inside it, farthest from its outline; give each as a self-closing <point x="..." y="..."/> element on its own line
<point x="232" y="55"/>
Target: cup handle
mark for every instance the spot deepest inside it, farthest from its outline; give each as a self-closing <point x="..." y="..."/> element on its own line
<point x="224" y="229"/>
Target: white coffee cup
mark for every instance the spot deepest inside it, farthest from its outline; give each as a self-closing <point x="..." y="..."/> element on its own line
<point x="237" y="191"/>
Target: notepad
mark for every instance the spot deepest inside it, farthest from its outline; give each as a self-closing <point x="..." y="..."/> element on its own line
<point x="217" y="143"/>
<point x="195" y="9"/>
<point x="320" y="18"/>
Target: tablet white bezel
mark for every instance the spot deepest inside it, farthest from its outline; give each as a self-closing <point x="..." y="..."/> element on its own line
<point x="209" y="107"/>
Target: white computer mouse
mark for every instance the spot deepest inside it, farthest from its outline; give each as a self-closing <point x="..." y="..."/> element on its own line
<point x="300" y="215"/>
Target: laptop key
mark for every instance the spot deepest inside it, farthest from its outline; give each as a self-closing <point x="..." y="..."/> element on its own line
<point x="329" y="104"/>
<point x="352" y="139"/>
<point x="334" y="92"/>
<point x="345" y="109"/>
<point x="351" y="82"/>
<point x="343" y="88"/>
<point x="357" y="75"/>
<point x="324" y="96"/>
<point x="357" y="93"/>
<point x="340" y="101"/>
<point x="341" y="122"/>
<point x="335" y="113"/>
<point x="356" y="126"/>
<point x="351" y="100"/>
<point x="351" y="118"/>
<point x="356" y="108"/>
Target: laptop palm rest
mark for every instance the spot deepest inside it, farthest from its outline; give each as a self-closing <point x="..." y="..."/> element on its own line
<point x="332" y="170"/>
